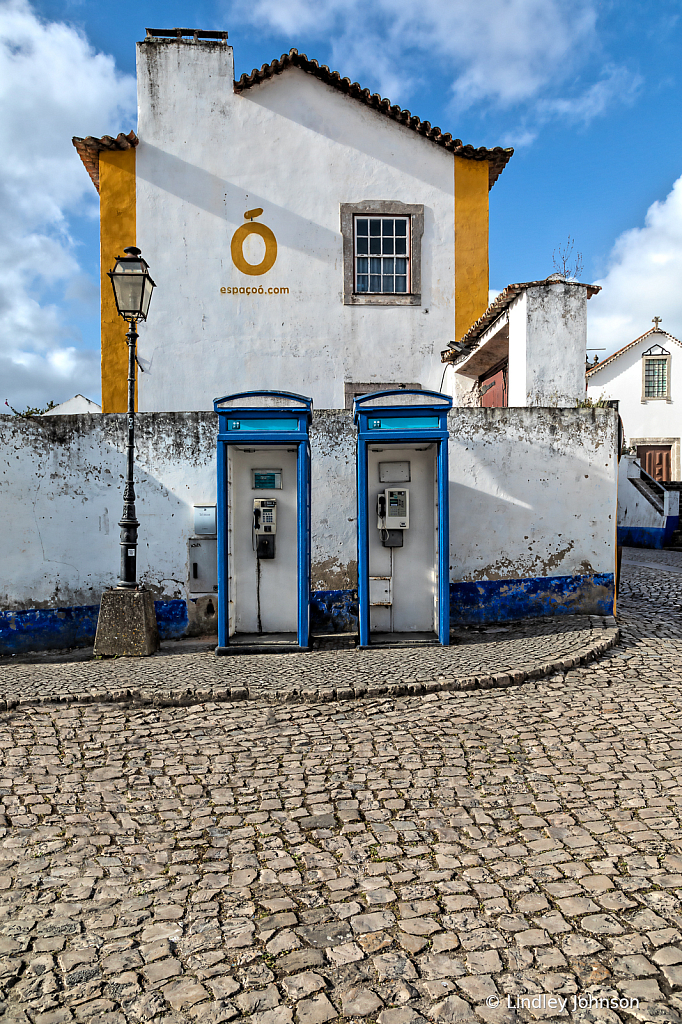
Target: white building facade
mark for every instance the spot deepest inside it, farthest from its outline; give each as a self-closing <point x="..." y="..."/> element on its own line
<point x="301" y="231"/>
<point x="646" y="379"/>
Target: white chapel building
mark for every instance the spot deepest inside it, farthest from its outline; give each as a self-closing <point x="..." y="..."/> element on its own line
<point x="646" y="379"/>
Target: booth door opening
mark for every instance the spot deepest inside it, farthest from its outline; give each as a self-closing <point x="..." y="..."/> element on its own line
<point x="262" y="531"/>
<point x="403" y="518"/>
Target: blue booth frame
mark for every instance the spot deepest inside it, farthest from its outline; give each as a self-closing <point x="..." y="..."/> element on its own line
<point x="396" y="424"/>
<point x="286" y="424"/>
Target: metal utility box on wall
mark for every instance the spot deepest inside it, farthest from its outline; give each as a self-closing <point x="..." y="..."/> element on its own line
<point x="263" y="522"/>
<point x="203" y="565"/>
<point x="205" y="520"/>
<point x="403" y="534"/>
<point x="394" y="472"/>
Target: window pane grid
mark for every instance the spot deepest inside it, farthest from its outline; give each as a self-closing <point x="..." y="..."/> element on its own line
<point x="656" y="378"/>
<point x="382" y="255"/>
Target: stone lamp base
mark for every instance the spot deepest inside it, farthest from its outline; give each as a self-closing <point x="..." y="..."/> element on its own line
<point x="127" y="624"/>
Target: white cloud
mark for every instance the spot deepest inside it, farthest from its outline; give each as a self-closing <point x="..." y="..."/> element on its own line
<point x="616" y="85"/>
<point x="643" y="278"/>
<point x="500" y="52"/>
<point x="53" y="85"/>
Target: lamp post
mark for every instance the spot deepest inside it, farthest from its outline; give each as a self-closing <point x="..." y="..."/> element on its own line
<point x="126" y="624"/>
<point x="133" y="288"/>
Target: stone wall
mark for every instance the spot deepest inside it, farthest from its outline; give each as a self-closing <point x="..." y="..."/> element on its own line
<point x="532" y="517"/>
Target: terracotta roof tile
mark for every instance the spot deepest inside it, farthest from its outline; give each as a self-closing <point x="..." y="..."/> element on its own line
<point x="90" y="148"/>
<point x="625" y="348"/>
<point x="497" y="158"/>
<point x="498" y="306"/>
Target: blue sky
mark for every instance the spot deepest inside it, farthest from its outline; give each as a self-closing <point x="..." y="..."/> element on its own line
<point x="587" y="93"/>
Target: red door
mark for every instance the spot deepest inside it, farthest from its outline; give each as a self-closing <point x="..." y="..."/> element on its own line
<point x="494" y="388"/>
<point x="655" y="460"/>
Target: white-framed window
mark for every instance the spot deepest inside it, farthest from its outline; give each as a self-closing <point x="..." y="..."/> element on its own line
<point x="656" y="374"/>
<point x="382" y="240"/>
<point x="382" y="255"/>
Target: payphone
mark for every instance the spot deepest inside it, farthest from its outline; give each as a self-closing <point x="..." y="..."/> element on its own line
<point x="264" y="526"/>
<point x="263" y="522"/>
<point x="393" y="515"/>
<point x="403" y="554"/>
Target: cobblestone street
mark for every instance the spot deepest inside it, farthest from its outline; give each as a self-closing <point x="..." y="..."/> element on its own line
<point x="475" y="855"/>
<point x="188" y="671"/>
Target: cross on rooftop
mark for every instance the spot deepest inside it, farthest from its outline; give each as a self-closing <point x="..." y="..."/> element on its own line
<point x="656" y="321"/>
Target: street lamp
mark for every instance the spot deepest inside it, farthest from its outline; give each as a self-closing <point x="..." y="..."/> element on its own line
<point x="133" y="288"/>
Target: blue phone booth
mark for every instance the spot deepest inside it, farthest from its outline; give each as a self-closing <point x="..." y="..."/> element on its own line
<point x="263" y="522"/>
<point x="403" y="517"/>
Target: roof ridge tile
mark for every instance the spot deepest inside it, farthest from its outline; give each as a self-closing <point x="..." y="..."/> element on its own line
<point x="621" y="351"/>
<point x="497" y="307"/>
<point x="89" y="148"/>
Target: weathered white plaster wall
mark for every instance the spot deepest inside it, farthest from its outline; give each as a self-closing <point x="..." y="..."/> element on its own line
<point x="533" y="492"/>
<point x="333" y="505"/>
<point x="464" y="391"/>
<point x="61" y="486"/>
<point x="656" y="419"/>
<point x="547" y="340"/>
<point x="296" y="148"/>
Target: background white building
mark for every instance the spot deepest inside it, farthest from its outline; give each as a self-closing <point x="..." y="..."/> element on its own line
<point x="645" y="377"/>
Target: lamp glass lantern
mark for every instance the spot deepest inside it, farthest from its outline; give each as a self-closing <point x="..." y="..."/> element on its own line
<point x="132" y="285"/>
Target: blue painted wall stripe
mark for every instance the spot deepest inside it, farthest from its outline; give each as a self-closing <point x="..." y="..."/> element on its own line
<point x="641" y="536"/>
<point x="506" y="600"/>
<point x="334" y="611"/>
<point x="42" y="629"/>
<point x="47" y="629"/>
<point x="171" y="618"/>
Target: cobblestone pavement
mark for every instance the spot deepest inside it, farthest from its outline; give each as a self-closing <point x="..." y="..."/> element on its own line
<point x="673" y="559"/>
<point x="186" y="672"/>
<point x="482" y="856"/>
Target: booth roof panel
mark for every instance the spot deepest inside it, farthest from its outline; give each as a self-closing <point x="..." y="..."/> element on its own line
<point x="386" y="399"/>
<point x="263" y="400"/>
